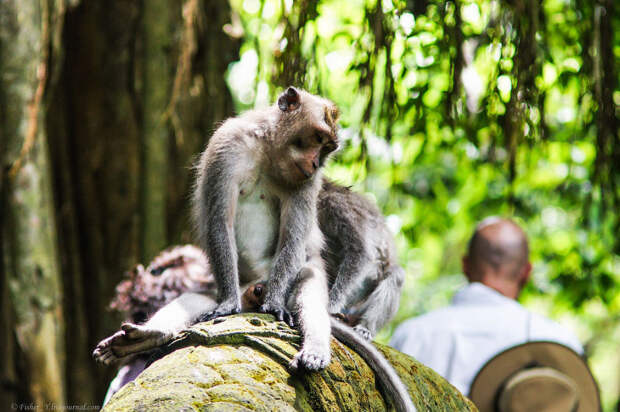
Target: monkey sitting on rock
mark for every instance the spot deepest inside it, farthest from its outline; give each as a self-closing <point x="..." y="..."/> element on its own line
<point x="364" y="277"/>
<point x="255" y="207"/>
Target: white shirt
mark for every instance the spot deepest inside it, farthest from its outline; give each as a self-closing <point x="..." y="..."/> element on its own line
<point x="456" y="341"/>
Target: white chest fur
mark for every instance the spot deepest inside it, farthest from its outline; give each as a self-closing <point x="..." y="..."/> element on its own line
<point x="256" y="228"/>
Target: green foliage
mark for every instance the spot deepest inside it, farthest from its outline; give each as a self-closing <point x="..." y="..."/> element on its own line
<point x="457" y="110"/>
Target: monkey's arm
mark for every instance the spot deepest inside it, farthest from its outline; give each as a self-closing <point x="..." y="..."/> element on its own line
<point x="133" y="339"/>
<point x="215" y="203"/>
<point x="298" y="214"/>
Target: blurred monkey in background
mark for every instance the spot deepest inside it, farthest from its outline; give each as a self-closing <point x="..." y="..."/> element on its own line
<point x="175" y="271"/>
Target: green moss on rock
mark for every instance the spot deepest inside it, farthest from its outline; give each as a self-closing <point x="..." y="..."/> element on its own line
<point x="239" y="363"/>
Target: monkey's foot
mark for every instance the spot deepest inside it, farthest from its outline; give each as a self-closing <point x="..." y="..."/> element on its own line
<point x="130" y="340"/>
<point x="223" y="309"/>
<point x="279" y="312"/>
<point x="311" y="359"/>
<point x="363" y="332"/>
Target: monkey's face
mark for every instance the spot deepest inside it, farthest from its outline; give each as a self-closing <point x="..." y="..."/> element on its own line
<point x="310" y="126"/>
<point x="307" y="153"/>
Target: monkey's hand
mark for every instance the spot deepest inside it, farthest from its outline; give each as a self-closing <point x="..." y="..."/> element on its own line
<point x="278" y="310"/>
<point x="130" y="340"/>
<point x="227" y="307"/>
<point x="363" y="332"/>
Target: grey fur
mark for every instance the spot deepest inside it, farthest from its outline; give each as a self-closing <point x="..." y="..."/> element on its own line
<point x="365" y="279"/>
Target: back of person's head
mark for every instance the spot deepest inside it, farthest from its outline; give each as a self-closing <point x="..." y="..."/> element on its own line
<point x="498" y="254"/>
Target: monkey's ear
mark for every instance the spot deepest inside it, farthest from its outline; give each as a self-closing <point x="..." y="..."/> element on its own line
<point x="289" y="100"/>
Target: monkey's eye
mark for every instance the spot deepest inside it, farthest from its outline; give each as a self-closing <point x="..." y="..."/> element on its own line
<point x="298" y="143"/>
<point x="318" y="138"/>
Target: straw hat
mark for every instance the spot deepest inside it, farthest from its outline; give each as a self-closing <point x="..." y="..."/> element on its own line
<point x="536" y="376"/>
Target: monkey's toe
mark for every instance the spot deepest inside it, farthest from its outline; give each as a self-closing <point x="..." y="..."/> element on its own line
<point x="363" y="332"/>
<point x="107" y="358"/>
<point x="222" y="310"/>
<point x="103" y="352"/>
<point x="136" y="332"/>
<point x="104" y="355"/>
<point x="110" y="340"/>
<point x="280" y="313"/>
<point x="310" y="360"/>
<point x="128" y="327"/>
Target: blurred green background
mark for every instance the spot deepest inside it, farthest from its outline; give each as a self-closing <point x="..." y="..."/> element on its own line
<point x="451" y="111"/>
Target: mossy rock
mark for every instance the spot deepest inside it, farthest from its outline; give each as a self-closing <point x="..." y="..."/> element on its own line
<point x="239" y="363"/>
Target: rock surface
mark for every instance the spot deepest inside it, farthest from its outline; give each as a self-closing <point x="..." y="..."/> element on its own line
<point x="239" y="363"/>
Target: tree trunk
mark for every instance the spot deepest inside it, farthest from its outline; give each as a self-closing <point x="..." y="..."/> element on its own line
<point x="33" y="355"/>
<point x="155" y="93"/>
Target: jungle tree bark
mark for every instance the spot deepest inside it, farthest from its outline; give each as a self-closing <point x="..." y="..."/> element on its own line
<point x="156" y="84"/>
<point x="198" y="100"/>
<point x="33" y="346"/>
<point x="94" y="130"/>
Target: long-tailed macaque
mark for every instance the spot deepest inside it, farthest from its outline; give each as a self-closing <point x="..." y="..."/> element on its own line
<point x="255" y="210"/>
<point x="255" y="204"/>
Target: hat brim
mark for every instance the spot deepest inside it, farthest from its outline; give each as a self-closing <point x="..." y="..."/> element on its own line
<point x="489" y="381"/>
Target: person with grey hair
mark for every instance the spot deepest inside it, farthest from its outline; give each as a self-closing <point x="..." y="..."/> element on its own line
<point x="484" y="317"/>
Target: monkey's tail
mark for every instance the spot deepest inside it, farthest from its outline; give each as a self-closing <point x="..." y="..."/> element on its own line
<point x="388" y="378"/>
